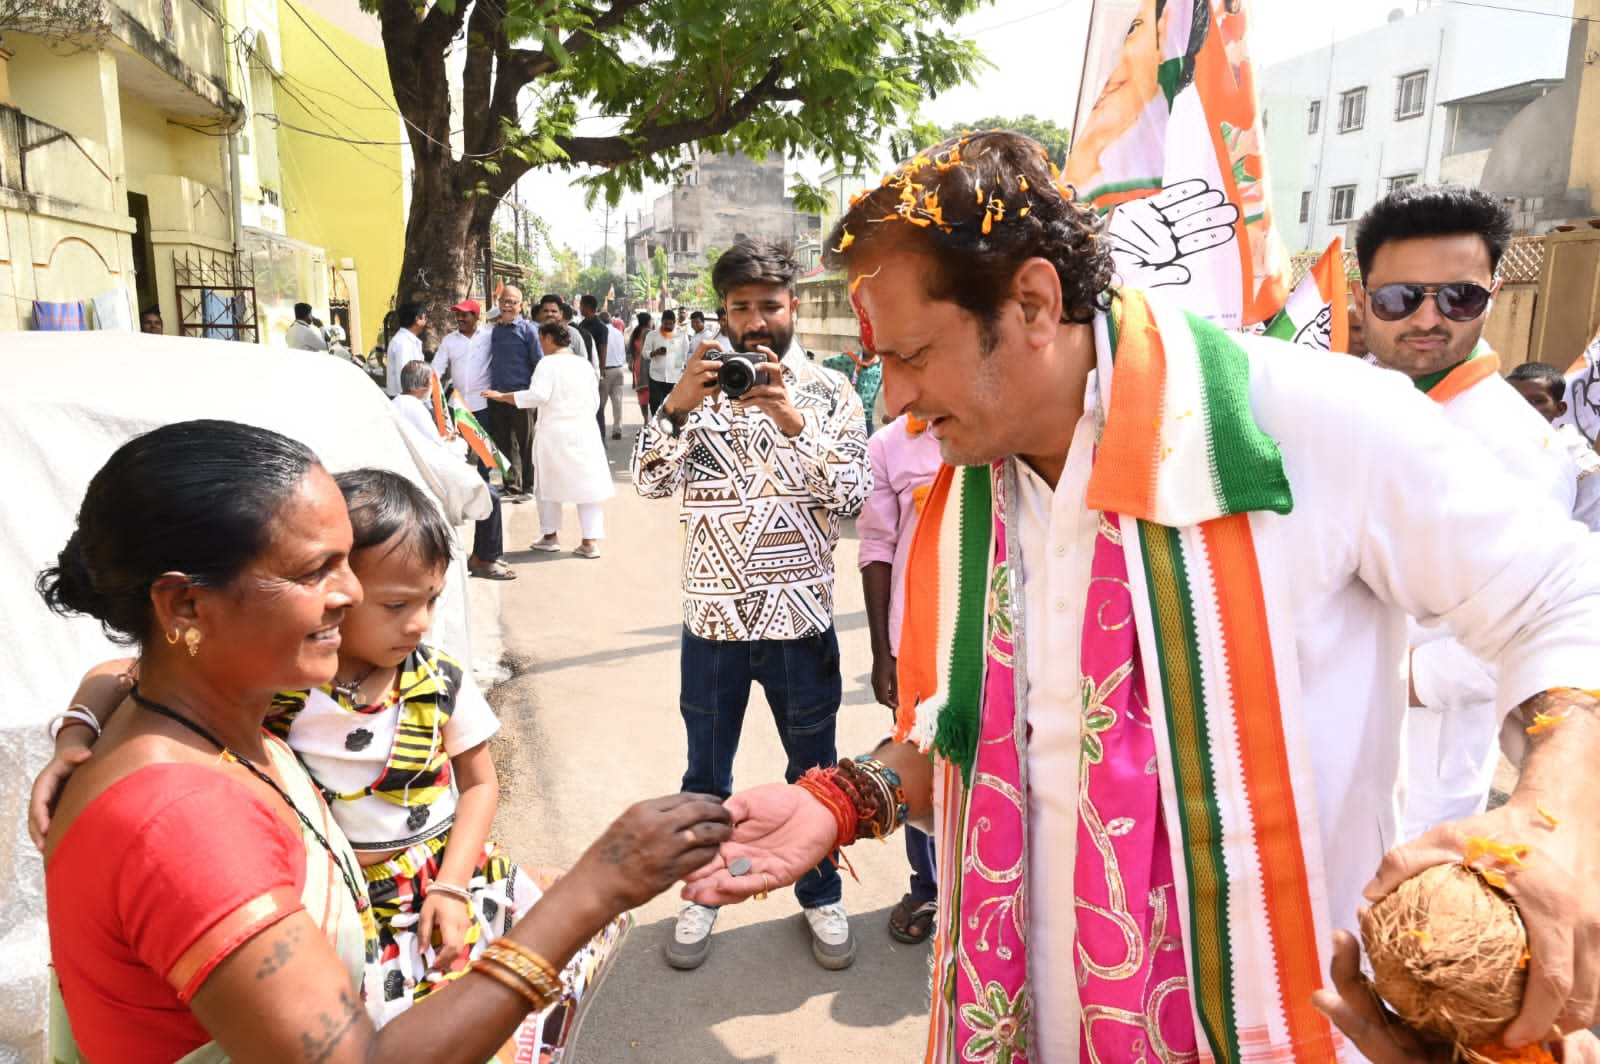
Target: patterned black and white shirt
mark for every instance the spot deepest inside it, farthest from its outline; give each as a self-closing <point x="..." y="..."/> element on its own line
<point x="760" y="511"/>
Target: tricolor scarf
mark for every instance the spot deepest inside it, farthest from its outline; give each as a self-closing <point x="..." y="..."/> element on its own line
<point x="1477" y="367"/>
<point x="1197" y="671"/>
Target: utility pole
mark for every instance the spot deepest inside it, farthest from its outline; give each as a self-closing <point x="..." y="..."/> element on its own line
<point x="606" y="255"/>
<point x="516" y="223"/>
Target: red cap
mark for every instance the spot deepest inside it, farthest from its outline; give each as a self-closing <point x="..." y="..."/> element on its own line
<point x="468" y="306"/>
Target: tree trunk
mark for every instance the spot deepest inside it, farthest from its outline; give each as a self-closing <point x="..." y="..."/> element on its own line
<point x="439" y="260"/>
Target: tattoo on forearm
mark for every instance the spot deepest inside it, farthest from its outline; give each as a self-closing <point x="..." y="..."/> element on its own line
<point x="618" y="847"/>
<point x="282" y="952"/>
<point x="319" y="1048"/>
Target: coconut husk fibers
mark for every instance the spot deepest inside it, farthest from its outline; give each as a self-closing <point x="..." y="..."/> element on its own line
<point x="1449" y="955"/>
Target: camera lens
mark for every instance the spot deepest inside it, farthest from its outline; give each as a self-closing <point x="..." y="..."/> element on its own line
<point x="736" y="376"/>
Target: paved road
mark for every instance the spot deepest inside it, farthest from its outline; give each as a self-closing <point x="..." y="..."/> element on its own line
<point x="591" y="725"/>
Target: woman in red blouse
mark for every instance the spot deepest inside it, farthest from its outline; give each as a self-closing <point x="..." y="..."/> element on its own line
<point x="202" y="904"/>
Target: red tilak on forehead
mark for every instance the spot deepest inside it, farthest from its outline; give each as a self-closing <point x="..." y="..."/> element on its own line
<point x="867" y="342"/>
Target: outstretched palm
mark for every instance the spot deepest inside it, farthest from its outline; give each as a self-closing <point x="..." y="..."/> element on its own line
<point x="780" y="829"/>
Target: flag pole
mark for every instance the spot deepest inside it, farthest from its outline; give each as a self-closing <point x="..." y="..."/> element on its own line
<point x="1083" y="73"/>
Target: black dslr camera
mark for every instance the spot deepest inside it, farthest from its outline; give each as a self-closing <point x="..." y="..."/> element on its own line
<point x="738" y="373"/>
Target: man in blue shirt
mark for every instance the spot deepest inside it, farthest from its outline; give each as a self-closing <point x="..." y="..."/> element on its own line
<point x="513" y="352"/>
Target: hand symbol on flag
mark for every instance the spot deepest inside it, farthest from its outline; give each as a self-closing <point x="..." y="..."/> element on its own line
<point x="1150" y="237"/>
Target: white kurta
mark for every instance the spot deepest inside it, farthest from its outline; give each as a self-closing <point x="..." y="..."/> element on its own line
<point x="1396" y="513"/>
<point x="1451" y="740"/>
<point x="569" y="458"/>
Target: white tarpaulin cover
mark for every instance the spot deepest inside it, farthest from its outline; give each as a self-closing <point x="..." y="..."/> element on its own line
<point x="69" y="400"/>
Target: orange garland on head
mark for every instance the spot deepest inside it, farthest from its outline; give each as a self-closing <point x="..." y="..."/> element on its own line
<point x="1499" y="1054"/>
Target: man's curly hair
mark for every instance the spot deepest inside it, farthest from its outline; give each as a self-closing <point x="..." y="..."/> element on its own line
<point x="979" y="206"/>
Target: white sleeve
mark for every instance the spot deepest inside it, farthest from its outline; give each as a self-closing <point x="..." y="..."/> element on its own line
<point x="392" y="360"/>
<point x="472" y="722"/>
<point x="1448" y="677"/>
<point x="541" y="388"/>
<point x="441" y="361"/>
<point x="416" y="415"/>
<point x="1446" y="534"/>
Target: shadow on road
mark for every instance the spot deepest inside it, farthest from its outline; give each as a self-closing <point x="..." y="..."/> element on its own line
<point x="647" y="1012"/>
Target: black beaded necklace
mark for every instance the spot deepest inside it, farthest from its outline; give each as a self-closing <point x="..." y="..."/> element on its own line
<point x="356" y="893"/>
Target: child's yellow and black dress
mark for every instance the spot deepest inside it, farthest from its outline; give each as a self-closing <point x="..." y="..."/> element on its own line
<point x="385" y="772"/>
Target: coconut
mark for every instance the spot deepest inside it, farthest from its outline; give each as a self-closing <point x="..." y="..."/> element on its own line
<point x="1449" y="955"/>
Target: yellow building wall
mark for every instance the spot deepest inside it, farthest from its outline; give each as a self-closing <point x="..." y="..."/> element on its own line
<point x="144" y="144"/>
<point x="339" y="196"/>
<point x="1585" y="170"/>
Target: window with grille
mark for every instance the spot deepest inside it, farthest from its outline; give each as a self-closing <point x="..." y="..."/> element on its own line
<point x="1342" y="207"/>
<point x="1400" y="181"/>
<point x="1305" y="206"/>
<point x="1314" y="116"/>
<point x="1411" y="95"/>
<point x="1353" y="110"/>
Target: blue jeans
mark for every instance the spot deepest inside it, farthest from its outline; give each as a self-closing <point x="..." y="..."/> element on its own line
<point x="801" y="680"/>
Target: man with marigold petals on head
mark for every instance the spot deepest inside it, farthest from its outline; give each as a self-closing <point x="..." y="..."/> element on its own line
<point x="1150" y="677"/>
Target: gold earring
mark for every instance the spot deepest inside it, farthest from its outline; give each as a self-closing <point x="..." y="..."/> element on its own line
<point x="191" y="639"/>
<point x="173" y="636"/>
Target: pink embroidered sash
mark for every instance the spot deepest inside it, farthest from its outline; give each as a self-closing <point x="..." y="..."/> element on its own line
<point x="992" y="1009"/>
<point x="1133" y="988"/>
<point x="1133" y="992"/>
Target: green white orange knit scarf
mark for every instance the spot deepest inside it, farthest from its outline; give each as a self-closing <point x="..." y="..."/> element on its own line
<point x="1189" y="487"/>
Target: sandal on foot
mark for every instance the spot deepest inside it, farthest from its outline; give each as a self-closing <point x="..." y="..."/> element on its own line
<point x="586" y="552"/>
<point x="549" y="546"/>
<point x="496" y="570"/>
<point x="912" y="925"/>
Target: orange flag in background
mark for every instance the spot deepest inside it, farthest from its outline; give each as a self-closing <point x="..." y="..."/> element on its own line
<point x="1317" y="313"/>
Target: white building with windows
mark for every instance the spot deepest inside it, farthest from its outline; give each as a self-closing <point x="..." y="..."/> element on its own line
<point x="1417" y="99"/>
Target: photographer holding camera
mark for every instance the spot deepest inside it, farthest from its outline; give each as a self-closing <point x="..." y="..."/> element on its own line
<point x="779" y="452"/>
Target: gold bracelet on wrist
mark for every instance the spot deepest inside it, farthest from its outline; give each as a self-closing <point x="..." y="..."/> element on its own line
<point x="507" y="978"/>
<point x="526" y="965"/>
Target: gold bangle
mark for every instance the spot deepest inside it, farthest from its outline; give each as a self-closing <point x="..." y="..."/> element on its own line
<point x="505" y="977"/>
<point x="527" y="965"/>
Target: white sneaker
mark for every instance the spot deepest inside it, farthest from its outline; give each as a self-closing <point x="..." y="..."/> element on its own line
<point x="832" y="944"/>
<point x="691" y="939"/>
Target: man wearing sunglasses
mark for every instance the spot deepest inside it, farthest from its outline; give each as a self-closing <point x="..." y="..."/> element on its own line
<point x="1428" y="255"/>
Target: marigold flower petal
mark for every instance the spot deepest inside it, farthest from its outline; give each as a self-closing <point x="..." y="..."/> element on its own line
<point x="1543" y="722"/>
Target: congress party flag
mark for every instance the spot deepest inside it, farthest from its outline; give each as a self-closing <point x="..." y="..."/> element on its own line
<point x="1169" y="140"/>
<point x="1583" y="393"/>
<point x="441" y="416"/>
<point x="1317" y="312"/>
<point x="478" y="440"/>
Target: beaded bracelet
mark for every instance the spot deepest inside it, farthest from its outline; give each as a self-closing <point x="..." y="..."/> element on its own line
<point x="894" y="792"/>
<point x="864" y="795"/>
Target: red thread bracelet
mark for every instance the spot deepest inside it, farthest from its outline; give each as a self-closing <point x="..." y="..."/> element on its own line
<point x="820" y="784"/>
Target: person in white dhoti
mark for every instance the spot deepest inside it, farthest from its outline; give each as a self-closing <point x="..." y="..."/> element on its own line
<point x="568" y="458"/>
<point x="1428" y="255"/>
